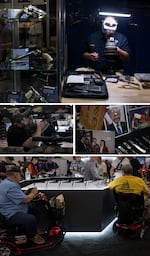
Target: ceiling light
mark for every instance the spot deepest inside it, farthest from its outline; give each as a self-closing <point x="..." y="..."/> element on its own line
<point x="117" y="14"/>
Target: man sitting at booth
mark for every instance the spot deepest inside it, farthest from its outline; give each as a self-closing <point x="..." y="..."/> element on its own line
<point x="18" y="136"/>
<point x="51" y="168"/>
<point x="14" y="204"/>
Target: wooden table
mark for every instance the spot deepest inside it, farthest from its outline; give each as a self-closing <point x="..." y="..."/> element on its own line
<point x="118" y="94"/>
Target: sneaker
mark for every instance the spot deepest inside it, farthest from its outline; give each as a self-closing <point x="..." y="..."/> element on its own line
<point x="41" y="232"/>
<point x="37" y="239"/>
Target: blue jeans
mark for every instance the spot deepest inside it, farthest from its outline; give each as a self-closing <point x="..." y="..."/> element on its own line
<point x="28" y="221"/>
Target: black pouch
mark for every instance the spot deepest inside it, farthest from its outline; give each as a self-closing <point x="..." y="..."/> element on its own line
<point x="92" y="86"/>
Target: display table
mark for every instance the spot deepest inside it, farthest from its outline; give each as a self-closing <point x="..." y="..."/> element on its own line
<point x="45" y="178"/>
<point x="118" y="93"/>
<point x="63" y="148"/>
<point x="89" y="205"/>
<point x="135" y="142"/>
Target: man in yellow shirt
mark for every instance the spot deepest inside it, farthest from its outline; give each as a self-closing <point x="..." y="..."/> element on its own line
<point x="129" y="183"/>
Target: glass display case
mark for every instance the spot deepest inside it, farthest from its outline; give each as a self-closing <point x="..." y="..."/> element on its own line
<point x="30" y="50"/>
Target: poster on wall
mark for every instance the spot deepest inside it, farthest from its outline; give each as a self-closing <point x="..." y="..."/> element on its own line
<point x="95" y="142"/>
<point x="116" y="120"/>
<point x="139" y="117"/>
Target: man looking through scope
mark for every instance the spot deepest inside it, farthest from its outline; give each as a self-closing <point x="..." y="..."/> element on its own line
<point x="95" y="50"/>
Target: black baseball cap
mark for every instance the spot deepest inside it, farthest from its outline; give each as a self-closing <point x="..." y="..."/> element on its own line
<point x="13" y="169"/>
<point x="17" y="118"/>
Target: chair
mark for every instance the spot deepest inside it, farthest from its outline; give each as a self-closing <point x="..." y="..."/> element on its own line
<point x="129" y="207"/>
<point x="130" y="215"/>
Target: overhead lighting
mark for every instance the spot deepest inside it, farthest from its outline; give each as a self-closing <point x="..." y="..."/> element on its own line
<point x="115" y="14"/>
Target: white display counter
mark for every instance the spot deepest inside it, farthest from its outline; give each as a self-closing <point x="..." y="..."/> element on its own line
<point x="63" y="185"/>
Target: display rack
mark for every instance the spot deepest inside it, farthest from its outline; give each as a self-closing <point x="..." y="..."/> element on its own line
<point x="32" y="61"/>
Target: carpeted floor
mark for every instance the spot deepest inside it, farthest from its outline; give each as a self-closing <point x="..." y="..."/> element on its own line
<point x="101" y="244"/>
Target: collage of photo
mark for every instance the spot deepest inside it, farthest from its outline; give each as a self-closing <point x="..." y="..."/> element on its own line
<point x="74" y="126"/>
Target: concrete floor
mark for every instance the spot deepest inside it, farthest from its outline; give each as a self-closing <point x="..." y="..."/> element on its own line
<point x="105" y="243"/>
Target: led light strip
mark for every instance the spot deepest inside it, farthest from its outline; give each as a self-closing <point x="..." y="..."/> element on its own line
<point x="91" y="234"/>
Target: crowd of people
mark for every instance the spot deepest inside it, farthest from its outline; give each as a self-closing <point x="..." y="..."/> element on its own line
<point x="92" y="168"/>
<point x="35" y="167"/>
<point x="97" y="167"/>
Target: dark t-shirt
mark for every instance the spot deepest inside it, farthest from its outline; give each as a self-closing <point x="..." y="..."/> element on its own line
<point x="16" y="136"/>
<point x="51" y="166"/>
<point x="98" y="40"/>
<point x="49" y="131"/>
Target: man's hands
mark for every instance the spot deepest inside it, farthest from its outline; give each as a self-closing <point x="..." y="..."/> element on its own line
<point x="123" y="54"/>
<point x="34" y="192"/>
<point x="31" y="194"/>
<point x="41" y="125"/>
<point x="93" y="56"/>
